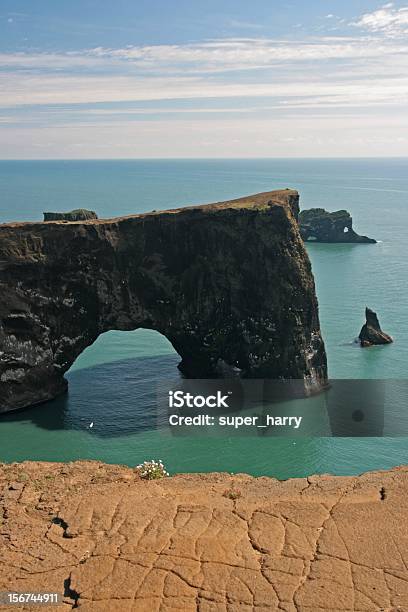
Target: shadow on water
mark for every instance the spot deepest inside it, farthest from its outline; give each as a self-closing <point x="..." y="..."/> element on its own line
<point x="119" y="398"/>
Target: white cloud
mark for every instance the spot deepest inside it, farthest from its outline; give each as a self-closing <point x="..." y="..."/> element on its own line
<point x="238" y="54"/>
<point x="319" y="73"/>
<point x="388" y="20"/>
<point x="49" y="61"/>
<point x="338" y="136"/>
<point x="85" y="89"/>
<point x="214" y="56"/>
<point x="189" y="98"/>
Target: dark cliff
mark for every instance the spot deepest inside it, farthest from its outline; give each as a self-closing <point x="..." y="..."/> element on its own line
<point x="319" y="225"/>
<point x="229" y="284"/>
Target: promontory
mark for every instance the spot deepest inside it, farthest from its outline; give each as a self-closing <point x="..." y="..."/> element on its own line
<point x="229" y="284"/>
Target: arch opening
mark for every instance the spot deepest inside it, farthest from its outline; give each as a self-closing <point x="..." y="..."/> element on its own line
<point x="113" y="383"/>
<point x="112" y="346"/>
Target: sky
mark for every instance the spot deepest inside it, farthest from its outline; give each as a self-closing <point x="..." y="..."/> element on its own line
<point x="194" y="79"/>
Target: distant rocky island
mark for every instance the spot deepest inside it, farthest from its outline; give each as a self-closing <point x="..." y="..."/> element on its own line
<point x="79" y="214"/>
<point x="319" y="225"/>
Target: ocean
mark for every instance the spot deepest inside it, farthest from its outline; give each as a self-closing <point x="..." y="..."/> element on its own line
<point x="113" y="383"/>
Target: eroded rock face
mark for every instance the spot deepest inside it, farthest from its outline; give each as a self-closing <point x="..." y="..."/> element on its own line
<point x="371" y="332"/>
<point x="319" y="225"/>
<point x="111" y="542"/>
<point x="229" y="284"/>
<point x="80" y="214"/>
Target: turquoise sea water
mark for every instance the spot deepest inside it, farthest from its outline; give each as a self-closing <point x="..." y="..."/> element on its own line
<point x="113" y="382"/>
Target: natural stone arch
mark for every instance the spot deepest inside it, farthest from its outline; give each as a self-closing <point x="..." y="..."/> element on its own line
<point x="317" y="224"/>
<point x="229" y="285"/>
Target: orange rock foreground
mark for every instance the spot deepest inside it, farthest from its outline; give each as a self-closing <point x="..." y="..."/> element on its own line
<point x="107" y="540"/>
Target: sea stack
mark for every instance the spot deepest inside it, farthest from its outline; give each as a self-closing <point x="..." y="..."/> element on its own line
<point x="371" y="332"/>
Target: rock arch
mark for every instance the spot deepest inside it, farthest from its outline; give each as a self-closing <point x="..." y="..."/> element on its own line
<point x="229" y="284"/>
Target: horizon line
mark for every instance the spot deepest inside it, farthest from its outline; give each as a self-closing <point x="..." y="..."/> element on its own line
<point x="84" y="159"/>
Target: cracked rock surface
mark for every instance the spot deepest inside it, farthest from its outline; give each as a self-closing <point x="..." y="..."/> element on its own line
<point x="214" y="542"/>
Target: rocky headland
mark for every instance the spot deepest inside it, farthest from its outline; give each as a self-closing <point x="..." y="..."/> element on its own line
<point x="319" y="225"/>
<point x="229" y="284"/>
<point x="108" y="541"/>
<point x="371" y="332"/>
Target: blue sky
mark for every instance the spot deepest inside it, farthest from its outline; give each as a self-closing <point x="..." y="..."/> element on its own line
<point x="138" y="78"/>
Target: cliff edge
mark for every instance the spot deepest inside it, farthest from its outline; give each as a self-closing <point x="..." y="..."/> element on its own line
<point x="229" y="284"/>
